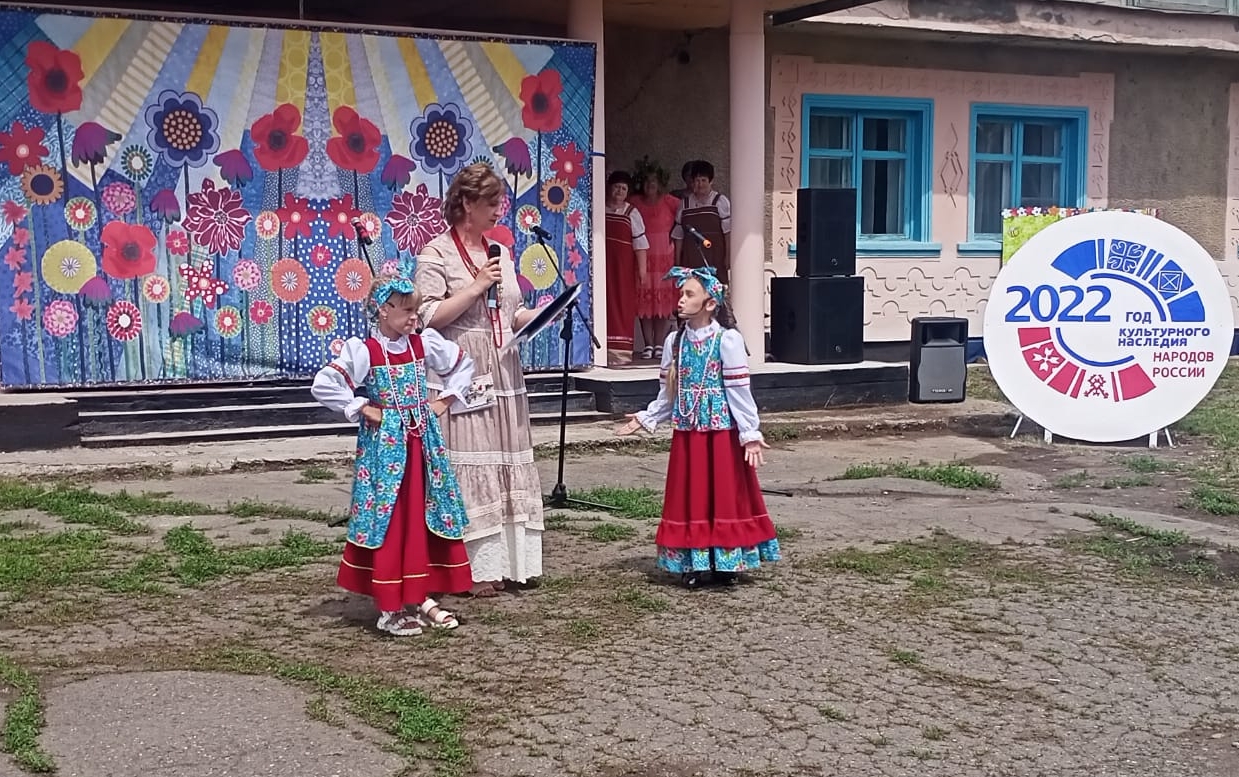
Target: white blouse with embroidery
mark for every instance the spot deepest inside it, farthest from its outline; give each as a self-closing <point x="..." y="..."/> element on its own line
<point x="735" y="383"/>
<point x="335" y="385"/>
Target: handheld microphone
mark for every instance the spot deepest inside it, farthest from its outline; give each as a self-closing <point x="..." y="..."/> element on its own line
<point x="540" y="232"/>
<point x="492" y="294"/>
<point x="362" y="234"/>
<point x="695" y="235"/>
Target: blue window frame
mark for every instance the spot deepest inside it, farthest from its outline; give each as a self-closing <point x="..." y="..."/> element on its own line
<point x="883" y="148"/>
<point x="1022" y="156"/>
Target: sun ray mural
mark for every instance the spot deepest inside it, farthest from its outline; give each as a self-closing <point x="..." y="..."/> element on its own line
<point x="178" y="197"/>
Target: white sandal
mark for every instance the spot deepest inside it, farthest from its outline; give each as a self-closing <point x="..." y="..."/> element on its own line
<point x="437" y="617"/>
<point x="647" y="352"/>
<point x="400" y="624"/>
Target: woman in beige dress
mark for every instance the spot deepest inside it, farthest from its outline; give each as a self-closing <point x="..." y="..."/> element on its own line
<point x="490" y="447"/>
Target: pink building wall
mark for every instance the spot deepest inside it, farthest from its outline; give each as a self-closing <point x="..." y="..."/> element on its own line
<point x="901" y="288"/>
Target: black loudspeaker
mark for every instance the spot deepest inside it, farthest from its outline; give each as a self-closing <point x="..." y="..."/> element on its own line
<point x="938" y="368"/>
<point x="825" y="232"/>
<point x="817" y="320"/>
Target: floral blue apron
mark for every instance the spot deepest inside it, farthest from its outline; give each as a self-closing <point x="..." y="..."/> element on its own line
<point x="400" y="390"/>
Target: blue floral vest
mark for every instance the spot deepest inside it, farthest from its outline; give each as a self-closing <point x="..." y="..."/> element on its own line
<point x="397" y="384"/>
<point x="700" y="401"/>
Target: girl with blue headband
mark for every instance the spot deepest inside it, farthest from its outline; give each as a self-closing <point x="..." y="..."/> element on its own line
<point x="714" y="517"/>
<point x="407" y="520"/>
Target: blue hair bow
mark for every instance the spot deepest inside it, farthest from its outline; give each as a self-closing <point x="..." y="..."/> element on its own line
<point x="398" y="280"/>
<point x="706" y="276"/>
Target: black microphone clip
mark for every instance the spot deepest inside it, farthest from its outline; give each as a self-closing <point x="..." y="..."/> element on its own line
<point x="540" y="233"/>
<point x="701" y="239"/>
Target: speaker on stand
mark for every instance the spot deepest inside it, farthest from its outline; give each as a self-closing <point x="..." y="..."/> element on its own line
<point x="818" y="316"/>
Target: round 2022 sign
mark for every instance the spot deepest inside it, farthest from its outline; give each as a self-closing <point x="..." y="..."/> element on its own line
<point x="1108" y="326"/>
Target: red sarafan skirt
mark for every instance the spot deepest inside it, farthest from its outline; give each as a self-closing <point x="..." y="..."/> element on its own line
<point x="412" y="563"/>
<point x="713" y="500"/>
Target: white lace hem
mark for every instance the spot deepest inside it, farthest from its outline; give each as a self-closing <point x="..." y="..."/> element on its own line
<point x="515" y="553"/>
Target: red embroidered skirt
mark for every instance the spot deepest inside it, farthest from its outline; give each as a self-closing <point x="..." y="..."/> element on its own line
<point x="412" y="563"/>
<point x="713" y="499"/>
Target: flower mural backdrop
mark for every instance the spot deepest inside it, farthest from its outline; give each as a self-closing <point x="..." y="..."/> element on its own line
<point x="207" y="231"/>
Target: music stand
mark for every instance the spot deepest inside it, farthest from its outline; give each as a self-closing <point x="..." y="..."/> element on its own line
<point x="559" y="494"/>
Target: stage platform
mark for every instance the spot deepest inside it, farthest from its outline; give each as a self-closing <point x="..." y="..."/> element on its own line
<point x="777" y="386"/>
<point x="161" y="414"/>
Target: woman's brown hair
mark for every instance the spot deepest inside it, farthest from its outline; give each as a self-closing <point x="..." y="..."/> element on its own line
<point x="476" y="182"/>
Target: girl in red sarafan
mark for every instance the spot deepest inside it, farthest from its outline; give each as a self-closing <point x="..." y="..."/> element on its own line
<point x="407" y="518"/>
<point x="714" y="517"/>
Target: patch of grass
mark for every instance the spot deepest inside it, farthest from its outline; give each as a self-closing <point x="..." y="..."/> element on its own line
<point x="979" y="384"/>
<point x="638" y="600"/>
<point x="1213" y="500"/>
<point x="556" y="584"/>
<point x="611" y="532"/>
<point x="141" y="578"/>
<point x="251" y="509"/>
<point x="950" y="475"/>
<point x="9" y="527"/>
<point x="905" y="657"/>
<point x="1072" y="480"/>
<point x="316" y="708"/>
<point x="198" y="560"/>
<point x="782" y="433"/>
<point x="317" y="473"/>
<point x="40" y="562"/>
<point x="23" y="720"/>
<point x="422" y="729"/>
<point x="936" y="570"/>
<point x="641" y="503"/>
<point x="1143" y="551"/>
<point x="556" y="521"/>
<point x="785" y="533"/>
<point x="1164" y="537"/>
<point x="1131" y="481"/>
<point x="77" y="505"/>
<point x="584" y="629"/>
<point x="1217" y="417"/>
<point x="1148" y="465"/>
<point x="934" y="733"/>
<point x="832" y="713"/>
<point x="936" y="554"/>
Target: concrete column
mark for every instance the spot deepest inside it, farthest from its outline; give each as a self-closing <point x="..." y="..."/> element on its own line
<point x="585" y="22"/>
<point x="747" y="188"/>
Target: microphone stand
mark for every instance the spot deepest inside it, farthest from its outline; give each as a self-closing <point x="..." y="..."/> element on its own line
<point x="559" y="494"/>
<point x="363" y="242"/>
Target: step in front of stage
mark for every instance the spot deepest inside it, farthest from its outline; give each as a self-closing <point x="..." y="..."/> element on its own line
<point x="171" y="415"/>
<point x="118" y="416"/>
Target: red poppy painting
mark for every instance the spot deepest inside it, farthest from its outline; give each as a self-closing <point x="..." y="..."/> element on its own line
<point x="55" y="78"/>
<point x="277" y="145"/>
<point x="356" y="148"/>
<point x="128" y="250"/>
<point x="542" y="97"/>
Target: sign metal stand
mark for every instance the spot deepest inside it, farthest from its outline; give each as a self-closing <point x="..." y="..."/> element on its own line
<point x="1048" y="436"/>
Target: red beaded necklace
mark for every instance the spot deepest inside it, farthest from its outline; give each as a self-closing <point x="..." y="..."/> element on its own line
<point x="496" y="327"/>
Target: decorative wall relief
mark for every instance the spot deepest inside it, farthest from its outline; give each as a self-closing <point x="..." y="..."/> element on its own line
<point x="894" y="292"/>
